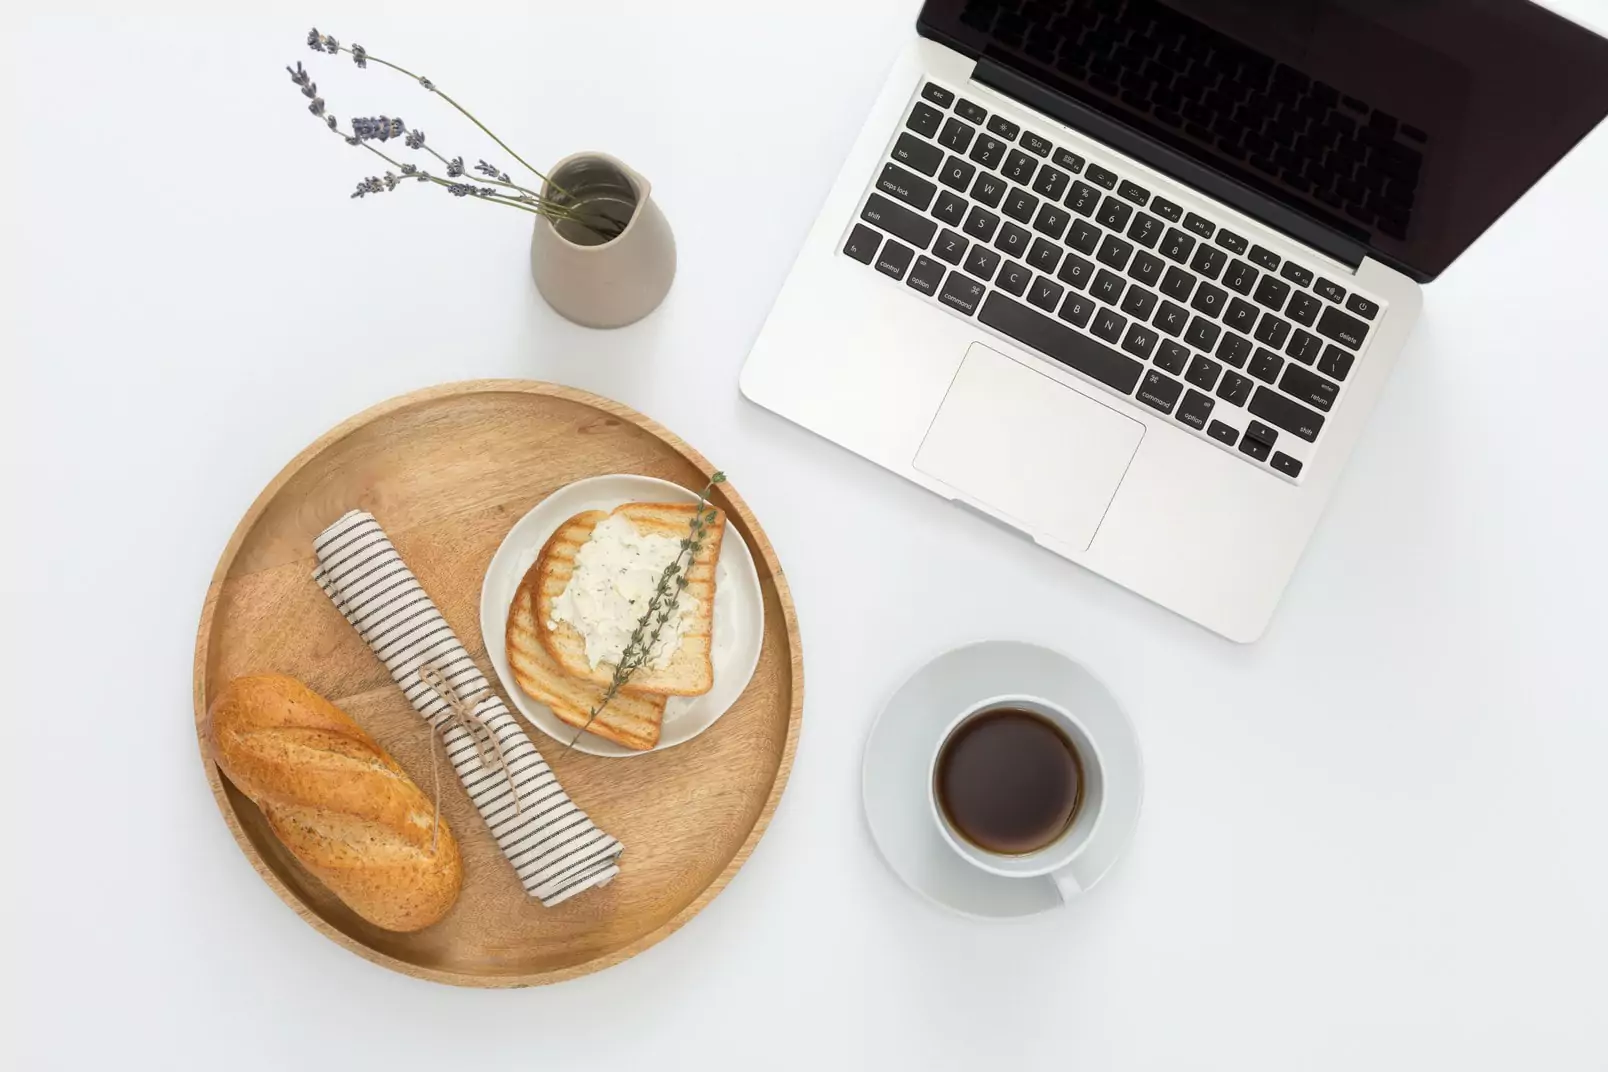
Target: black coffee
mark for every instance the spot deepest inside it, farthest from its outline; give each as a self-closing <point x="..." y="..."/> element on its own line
<point x="1009" y="781"/>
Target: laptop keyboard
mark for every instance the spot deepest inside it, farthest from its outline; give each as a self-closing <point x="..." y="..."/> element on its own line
<point x="1070" y="258"/>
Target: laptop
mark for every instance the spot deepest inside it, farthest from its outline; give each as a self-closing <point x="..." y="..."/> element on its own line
<point x="1129" y="276"/>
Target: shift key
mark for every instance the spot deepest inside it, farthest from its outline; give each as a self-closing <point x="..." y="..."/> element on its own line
<point x="898" y="220"/>
<point x="907" y="186"/>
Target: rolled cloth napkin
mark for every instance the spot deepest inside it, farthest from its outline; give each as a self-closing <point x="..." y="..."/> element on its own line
<point x="554" y="848"/>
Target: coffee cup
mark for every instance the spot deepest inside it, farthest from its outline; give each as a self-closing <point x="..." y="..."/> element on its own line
<point x="1016" y="787"/>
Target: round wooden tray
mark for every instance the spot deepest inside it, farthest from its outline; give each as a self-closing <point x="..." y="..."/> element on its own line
<point x="448" y="471"/>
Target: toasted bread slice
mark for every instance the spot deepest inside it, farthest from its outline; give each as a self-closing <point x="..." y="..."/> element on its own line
<point x="633" y="721"/>
<point x="691" y="671"/>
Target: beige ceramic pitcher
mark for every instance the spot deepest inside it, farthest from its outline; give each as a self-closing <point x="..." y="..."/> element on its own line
<point x="596" y="281"/>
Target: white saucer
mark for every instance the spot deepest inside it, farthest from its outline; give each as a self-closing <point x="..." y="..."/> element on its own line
<point x="900" y="748"/>
<point x="739" y="626"/>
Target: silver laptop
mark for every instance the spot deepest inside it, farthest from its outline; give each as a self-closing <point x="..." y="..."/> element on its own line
<point x="1129" y="276"/>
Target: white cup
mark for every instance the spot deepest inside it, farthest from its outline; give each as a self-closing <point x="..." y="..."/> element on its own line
<point x="1054" y="859"/>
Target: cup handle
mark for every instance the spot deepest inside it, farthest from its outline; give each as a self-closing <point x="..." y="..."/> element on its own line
<point x="1067" y="884"/>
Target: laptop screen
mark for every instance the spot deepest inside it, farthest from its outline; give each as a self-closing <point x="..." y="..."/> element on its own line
<point x="1408" y="126"/>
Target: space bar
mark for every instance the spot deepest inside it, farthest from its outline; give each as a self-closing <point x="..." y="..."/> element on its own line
<point x="1076" y="351"/>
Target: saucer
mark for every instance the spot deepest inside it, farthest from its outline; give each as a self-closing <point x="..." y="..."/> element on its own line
<point x="900" y="748"/>
<point x="739" y="620"/>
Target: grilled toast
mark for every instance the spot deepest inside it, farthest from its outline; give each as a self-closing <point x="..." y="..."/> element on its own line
<point x="691" y="671"/>
<point x="631" y="720"/>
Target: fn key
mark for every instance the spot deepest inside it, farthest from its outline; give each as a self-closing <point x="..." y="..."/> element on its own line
<point x="862" y="244"/>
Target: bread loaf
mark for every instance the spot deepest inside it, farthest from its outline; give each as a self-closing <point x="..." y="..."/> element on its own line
<point x="339" y="803"/>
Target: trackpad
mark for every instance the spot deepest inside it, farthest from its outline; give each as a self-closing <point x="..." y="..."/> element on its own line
<point x="1047" y="457"/>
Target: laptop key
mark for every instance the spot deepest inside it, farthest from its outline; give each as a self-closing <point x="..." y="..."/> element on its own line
<point x="1304" y="346"/>
<point x="924" y="156"/>
<point x="1013" y="278"/>
<point x="1146" y="230"/>
<point x="1240" y="277"/>
<point x="1101" y="177"/>
<point x="1075" y="271"/>
<point x="1234" y="349"/>
<point x="1234" y="389"/>
<point x="924" y="119"/>
<point x="1083" y="236"/>
<point x="1034" y="143"/>
<point x="1286" y="413"/>
<point x="1262" y="433"/>
<point x="1309" y="387"/>
<point x="1077" y="309"/>
<point x="1051" y="219"/>
<point x="862" y="244"/>
<point x="1265" y="364"/>
<point x="1171" y="357"/>
<point x="1108" y="324"/>
<point x="1203" y="372"/>
<point x="1139" y="341"/>
<point x="940" y="96"/>
<point x="1167" y="210"/>
<point x="951" y="208"/>
<point x="987" y="151"/>
<point x="1346" y="330"/>
<point x="1266" y="258"/>
<point x="976" y="113"/>
<point x="907" y="186"/>
<point x="1335" y="362"/>
<point x="1045" y="293"/>
<point x="1296" y="274"/>
<point x="1202" y="333"/>
<point x="1209" y="300"/>
<point x="1139" y="303"/>
<point x="1209" y="261"/>
<point x="956" y="173"/>
<point x="1133" y="192"/>
<point x="1223" y="433"/>
<point x="980" y="223"/>
<point x="1146" y="268"/>
<point x="956" y="136"/>
<point x="1241" y="315"/>
<point x="1200" y="225"/>
<point x="961" y="293"/>
<point x="1108" y="287"/>
<point x="1012" y="240"/>
<point x="982" y="261"/>
<point x="1272" y="292"/>
<point x="1114" y="252"/>
<point x="926" y="275"/>
<point x="1272" y="331"/>
<point x="1195" y="409"/>
<point x="1255" y="448"/>
<point x="989" y="189"/>
<point x="1051" y="183"/>
<point x="1020" y="204"/>
<point x="1172" y="319"/>
<point x="1285" y="464"/>
<point x="1114" y="213"/>
<point x="1332" y="291"/>
<point x="1083" y="198"/>
<point x="1303" y="308"/>
<point x="1177" y="245"/>
<point x="1362" y="307"/>
<point x="1177" y="283"/>
<point x="900" y="221"/>
<point x="1079" y="352"/>
<point x="1004" y="127"/>
<point x="1232" y="242"/>
<point x="1160" y="392"/>
<point x="1068" y="159"/>
<point x="1019" y="167"/>
<point x="1044" y="255"/>
<point x="950" y="247"/>
<point x="894" y="259"/>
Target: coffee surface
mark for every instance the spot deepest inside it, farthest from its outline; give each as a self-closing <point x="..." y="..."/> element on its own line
<point x="1009" y="781"/>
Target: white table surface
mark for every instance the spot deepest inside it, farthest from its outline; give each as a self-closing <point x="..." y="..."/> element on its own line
<point x="1373" y="840"/>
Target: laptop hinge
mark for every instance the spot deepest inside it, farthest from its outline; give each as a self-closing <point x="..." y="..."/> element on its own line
<point x="1060" y="105"/>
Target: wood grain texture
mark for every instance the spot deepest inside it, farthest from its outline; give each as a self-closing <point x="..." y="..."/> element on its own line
<point x="447" y="471"/>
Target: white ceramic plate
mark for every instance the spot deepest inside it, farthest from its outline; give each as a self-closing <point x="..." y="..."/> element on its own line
<point x="739" y="626"/>
<point x="898" y="753"/>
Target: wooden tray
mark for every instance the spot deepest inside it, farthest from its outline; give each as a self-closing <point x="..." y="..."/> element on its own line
<point x="448" y="471"/>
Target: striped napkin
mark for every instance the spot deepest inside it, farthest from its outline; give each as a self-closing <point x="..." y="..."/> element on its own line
<point x="555" y="849"/>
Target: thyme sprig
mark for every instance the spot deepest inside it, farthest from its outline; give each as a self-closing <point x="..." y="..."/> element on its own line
<point x="661" y="608"/>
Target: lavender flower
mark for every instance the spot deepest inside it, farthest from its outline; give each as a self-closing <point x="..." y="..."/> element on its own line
<point x="455" y="167"/>
<point x="426" y="83"/>
<point x="409" y="169"/>
<point x="391" y="180"/>
<point x="460" y="189"/>
<point x="370" y="185"/>
<point x="300" y="76"/>
<point x="331" y="45"/>
<point x="317" y="107"/>
<point x="360" y="55"/>
<point x="330" y="119"/>
<point x="486" y="169"/>
<point x="378" y="128"/>
<point x="415" y="139"/>
<point x="315" y="41"/>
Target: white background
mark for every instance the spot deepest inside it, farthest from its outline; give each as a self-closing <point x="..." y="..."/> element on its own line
<point x="1373" y="840"/>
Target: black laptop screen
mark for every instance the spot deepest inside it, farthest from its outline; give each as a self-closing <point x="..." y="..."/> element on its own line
<point x="1407" y="125"/>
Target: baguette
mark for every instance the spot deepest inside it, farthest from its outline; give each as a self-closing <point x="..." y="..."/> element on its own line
<point x="339" y="803"/>
<point x="631" y="720"/>
<point x="691" y="670"/>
